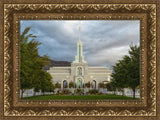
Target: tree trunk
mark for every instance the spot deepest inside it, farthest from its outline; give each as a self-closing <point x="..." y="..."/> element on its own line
<point x="22" y="93"/>
<point x="34" y="93"/>
<point x="134" y="93"/>
<point x="122" y="92"/>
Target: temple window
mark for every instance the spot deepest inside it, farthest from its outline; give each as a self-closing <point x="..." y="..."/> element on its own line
<point x="79" y="71"/>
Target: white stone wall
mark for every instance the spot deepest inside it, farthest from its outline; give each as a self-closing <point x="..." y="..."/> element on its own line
<point x="99" y="74"/>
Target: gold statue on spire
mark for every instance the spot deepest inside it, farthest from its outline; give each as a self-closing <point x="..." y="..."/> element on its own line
<point x="79" y="32"/>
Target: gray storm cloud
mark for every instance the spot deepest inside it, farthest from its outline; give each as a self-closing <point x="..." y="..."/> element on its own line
<point x="104" y="42"/>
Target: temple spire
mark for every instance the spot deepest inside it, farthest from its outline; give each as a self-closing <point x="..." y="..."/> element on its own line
<point x="79" y="58"/>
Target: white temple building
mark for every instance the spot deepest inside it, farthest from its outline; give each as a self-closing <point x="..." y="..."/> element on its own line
<point x="79" y="72"/>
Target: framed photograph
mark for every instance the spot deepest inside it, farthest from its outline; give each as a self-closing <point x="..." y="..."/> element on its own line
<point x="79" y="59"/>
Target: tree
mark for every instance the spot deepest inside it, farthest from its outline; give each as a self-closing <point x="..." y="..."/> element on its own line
<point x="31" y="68"/>
<point x="26" y="61"/>
<point x="46" y="83"/>
<point x="102" y="85"/>
<point x="126" y="71"/>
<point x="134" y="76"/>
<point x="119" y="76"/>
<point x="57" y="85"/>
<point x="88" y="85"/>
<point x="111" y="86"/>
<point x="71" y="84"/>
<point x="39" y="76"/>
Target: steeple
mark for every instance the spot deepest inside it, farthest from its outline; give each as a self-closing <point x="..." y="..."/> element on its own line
<point x="79" y="58"/>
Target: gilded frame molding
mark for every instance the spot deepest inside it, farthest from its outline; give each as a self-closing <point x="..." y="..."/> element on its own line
<point x="12" y="106"/>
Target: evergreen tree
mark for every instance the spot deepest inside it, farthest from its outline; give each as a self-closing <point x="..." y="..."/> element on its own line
<point x="134" y="68"/>
<point x="126" y="71"/>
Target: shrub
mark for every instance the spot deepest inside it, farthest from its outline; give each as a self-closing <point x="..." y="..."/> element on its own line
<point x="58" y="92"/>
<point x="88" y="85"/>
<point x="93" y="91"/>
<point x="57" y="85"/>
<point x="71" y="84"/>
<point x="79" y="91"/>
<point x="66" y="91"/>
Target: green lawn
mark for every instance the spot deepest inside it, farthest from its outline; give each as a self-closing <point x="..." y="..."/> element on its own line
<point x="77" y="97"/>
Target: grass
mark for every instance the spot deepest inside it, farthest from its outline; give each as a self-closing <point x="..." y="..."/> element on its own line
<point x="78" y="97"/>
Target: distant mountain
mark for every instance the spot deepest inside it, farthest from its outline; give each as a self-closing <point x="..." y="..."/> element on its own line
<point x="54" y="63"/>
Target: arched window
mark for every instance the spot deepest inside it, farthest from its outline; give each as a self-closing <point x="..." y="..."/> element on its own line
<point x="65" y="84"/>
<point x="94" y="84"/>
<point x="79" y="83"/>
<point x="79" y="71"/>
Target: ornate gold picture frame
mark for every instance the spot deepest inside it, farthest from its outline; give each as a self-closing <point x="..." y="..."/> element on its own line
<point x="147" y="107"/>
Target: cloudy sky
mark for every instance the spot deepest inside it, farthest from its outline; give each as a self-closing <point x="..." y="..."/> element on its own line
<point x="104" y="41"/>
